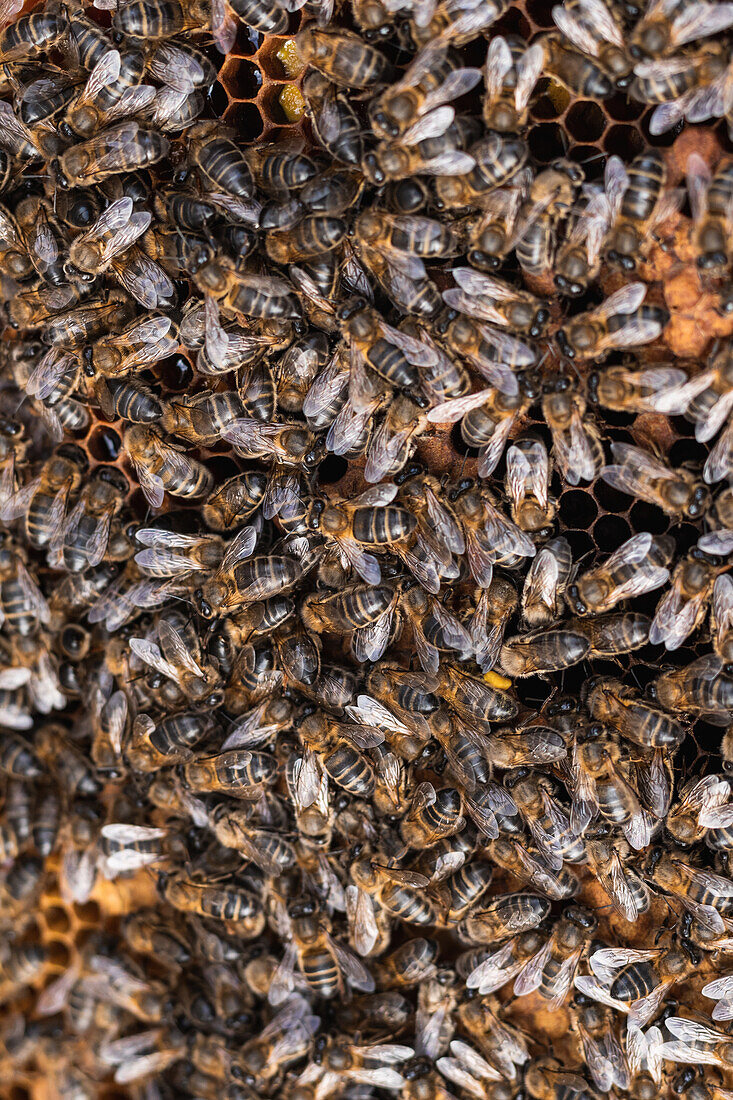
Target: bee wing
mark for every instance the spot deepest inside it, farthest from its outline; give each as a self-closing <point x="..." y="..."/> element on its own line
<point x="505" y="536"/>
<point x="415" y="351"/>
<point x="645" y="1008"/>
<point x="361" y="919"/>
<point x="116" y="717"/>
<point x="49" y="371"/>
<point x="55" y="996"/>
<point x="239" y="548"/>
<point x="499" y="63"/>
<point x="633" y="333"/>
<point x="175" y="648"/>
<point x="518" y="474"/>
<point x="634" y="465"/>
<point x="172" y="66"/>
<point x="325" y="390"/>
<point x="11" y="128"/>
<point x="453" y="162"/>
<point x="370" y="642"/>
<point x="676" y="617"/>
<point x="698" y="180"/>
<point x="455" y="85"/>
<point x="722" y="607"/>
<point x="563" y="980"/>
<point x="638" y="830"/>
<point x="451" y="411"/>
<point x="32" y="593"/>
<point x="104" y="73"/>
<point x="306" y="785"/>
<point x="625" y="300"/>
<point x="151" y="655"/>
<point x="591" y="987"/>
<point x="719" y="463"/>
<point x="431" y="125"/>
<point x="529" y="71"/>
<point x="442" y="524"/>
<point x="78" y="875"/>
<point x="371" y="712"/>
<point x="618" y="889"/>
<point x="19" y="502"/>
<point x="145" y="280"/>
<point x="223" y="26"/>
<point x="353" y="969"/>
<point x="598" y="1064"/>
<point x="490" y="454"/>
<point x="365" y="564"/>
<point x="510" y="348"/>
<point x="530" y="976"/>
<point x="700" y="21"/>
<point x="577" y="30"/>
<point x="473" y="307"/>
<point x="125" y="237"/>
<point x="480" y="559"/>
<point x="495" y="971"/>
<point x="9" y="9"/>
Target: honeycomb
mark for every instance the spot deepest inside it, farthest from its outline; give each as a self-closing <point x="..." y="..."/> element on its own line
<point x="257" y="93"/>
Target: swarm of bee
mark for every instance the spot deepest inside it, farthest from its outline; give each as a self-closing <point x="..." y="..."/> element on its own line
<point x="357" y="766"/>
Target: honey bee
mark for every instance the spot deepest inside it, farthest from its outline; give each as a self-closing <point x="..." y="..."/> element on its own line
<point x="624" y="390"/>
<point x="342" y="56"/>
<point x="641" y="474"/>
<point x="644" y="204"/>
<point x="529" y="866"/>
<point x="575" y="70"/>
<point x="639" y="565"/>
<point x="637" y="982"/>
<point x="659" y="34"/>
<point x="334" y="122"/>
<point x="233" y="502"/>
<point x="466" y="178"/>
<point x="489" y="536"/>
<point x="337" y="745"/>
<point x="264" y="297"/>
<point x="154" y="745"/>
<point x="487" y="420"/>
<point x="395" y="891"/>
<point x="227" y="903"/>
<point x="490" y="299"/>
<point x="681" y="610"/>
<point x="122" y="148"/>
<point x="22" y="604"/>
<point x="542" y="651"/>
<point x="592" y="27"/>
<point x="172" y="657"/>
<point x="710" y="196"/>
<point x="600" y="779"/>
<point x="81" y="538"/>
<point x="622" y="321"/>
<point x="696" y="1044"/>
<point x="326" y="964"/>
<point x="608" y="858"/>
<point x="42" y="502"/>
<point x="527" y="485"/>
<point x="637" y="719"/>
<point x="510" y="75"/>
<point x="547" y="1081"/>
<point x="162" y="468"/>
<point x="703" y="688"/>
<point x="406" y="110"/>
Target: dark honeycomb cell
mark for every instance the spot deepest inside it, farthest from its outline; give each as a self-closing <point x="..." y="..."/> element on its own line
<point x="585" y="121"/>
<point x="547" y="141"/>
<point x="624" y="141"/>
<point x="578" y="508"/>
<point x="105" y="444"/>
<point x="610" y="532"/>
<point x="647" y="517"/>
<point x="246" y="119"/>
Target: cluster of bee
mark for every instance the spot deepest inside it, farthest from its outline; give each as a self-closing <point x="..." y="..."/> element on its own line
<point x="400" y="771"/>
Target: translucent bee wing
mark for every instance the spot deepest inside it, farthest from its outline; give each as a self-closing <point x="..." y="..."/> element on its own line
<point x="577" y="31"/>
<point x="529" y="70"/>
<point x="126" y="236"/>
<point x="238" y="549"/>
<point x="145" y="280"/>
<point x="491" y="453"/>
<point x="431" y="125"/>
<point x="499" y="63"/>
<point x="361" y="918"/>
<point x="451" y="411"/>
<point x="495" y="971"/>
<point x="451" y="163"/>
<point x="700" y="21"/>
<point x="353" y="969"/>
<point x="151" y="655"/>
<point x="676" y="617"/>
<point x="530" y="976"/>
<point x="480" y="561"/>
<point x="32" y="593"/>
<point x="563" y="980"/>
<point x="719" y="463"/>
<point x="223" y="26"/>
<point x="175" y="648"/>
<point x="370" y="642"/>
